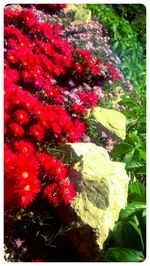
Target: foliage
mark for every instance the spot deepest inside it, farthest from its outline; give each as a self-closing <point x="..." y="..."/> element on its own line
<point x="133" y="150"/>
<point x="136" y="15"/>
<point x="124" y="42"/>
<point x="132" y="54"/>
<point x="128" y="239"/>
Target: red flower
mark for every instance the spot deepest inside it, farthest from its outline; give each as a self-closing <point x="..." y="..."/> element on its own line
<point x="52" y="193"/>
<point x="12" y="56"/>
<point x="46" y="160"/>
<point x="54" y="168"/>
<point x="27" y="185"/>
<point x="54" y="93"/>
<point x="26" y="193"/>
<point x="38" y="131"/>
<point x="23" y="146"/>
<point x="27" y="168"/>
<point x="113" y="72"/>
<point x="23" y="177"/>
<point x="77" y="131"/>
<point x="60" y="192"/>
<point x="67" y="191"/>
<point x="79" y="68"/>
<point x="99" y="61"/>
<point x="78" y="109"/>
<point x="89" y="99"/>
<point x="17" y="130"/>
<point x="22" y="116"/>
<point x="26" y="76"/>
<point x="9" y="161"/>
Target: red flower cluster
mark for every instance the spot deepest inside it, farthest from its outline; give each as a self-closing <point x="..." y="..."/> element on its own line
<point x="113" y="72"/>
<point x="35" y="54"/>
<point x="35" y="109"/>
<point x="89" y="99"/>
<point x="85" y="62"/>
<point x="26" y="169"/>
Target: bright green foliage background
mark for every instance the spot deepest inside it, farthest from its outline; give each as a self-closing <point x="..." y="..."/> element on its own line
<point x="126" y="24"/>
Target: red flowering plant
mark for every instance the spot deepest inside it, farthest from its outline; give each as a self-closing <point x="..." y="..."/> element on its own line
<point x="37" y="64"/>
<point x="49" y="84"/>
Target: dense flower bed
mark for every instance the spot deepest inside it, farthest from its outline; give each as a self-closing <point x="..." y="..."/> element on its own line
<point x="58" y="65"/>
<point x="49" y="84"/>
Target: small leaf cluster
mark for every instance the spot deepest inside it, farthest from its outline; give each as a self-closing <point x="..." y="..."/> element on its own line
<point x="128" y="240"/>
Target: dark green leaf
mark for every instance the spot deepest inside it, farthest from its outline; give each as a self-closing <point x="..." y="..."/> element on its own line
<point x="121" y="149"/>
<point x="137" y="192"/>
<point x="138" y="230"/>
<point x="125" y="235"/>
<point x="123" y="255"/>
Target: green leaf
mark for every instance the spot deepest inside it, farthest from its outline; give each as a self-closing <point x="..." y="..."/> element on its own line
<point x="132" y="160"/>
<point x="129" y="156"/>
<point x="134" y="138"/>
<point x="134" y="165"/>
<point x="115" y="45"/>
<point x="121" y="149"/>
<point x="138" y="230"/>
<point x="142" y="154"/>
<point x="123" y="255"/>
<point x="137" y="192"/>
<point x="144" y="213"/>
<point x="125" y="235"/>
<point x="132" y="208"/>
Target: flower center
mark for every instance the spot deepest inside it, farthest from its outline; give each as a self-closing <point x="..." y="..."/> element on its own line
<point x="21" y="116"/>
<point x="27" y="188"/>
<point x="25" y="174"/>
<point x="58" y="171"/>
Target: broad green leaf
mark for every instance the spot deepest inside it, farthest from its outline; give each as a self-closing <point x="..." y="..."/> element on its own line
<point x="125" y="235"/>
<point x="132" y="208"/>
<point x="136" y="225"/>
<point x="121" y="149"/>
<point x="134" y="138"/>
<point x="128" y="157"/>
<point x="134" y="165"/>
<point x="123" y="255"/>
<point x="137" y="192"/>
<point x="142" y="154"/>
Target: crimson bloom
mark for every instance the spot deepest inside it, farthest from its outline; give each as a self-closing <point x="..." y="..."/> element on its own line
<point x="22" y="116"/>
<point x="38" y="131"/>
<point x="113" y="72"/>
<point x="17" y="130"/>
